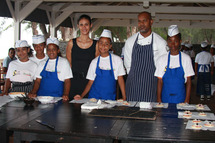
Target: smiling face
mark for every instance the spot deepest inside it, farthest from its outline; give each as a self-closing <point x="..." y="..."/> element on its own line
<point x="52" y="51"/>
<point x="84" y="26"/>
<point x="22" y="53"/>
<point x="174" y="44"/>
<point x="104" y="46"/>
<point x="11" y="53"/>
<point x="144" y="24"/>
<point x="39" y="48"/>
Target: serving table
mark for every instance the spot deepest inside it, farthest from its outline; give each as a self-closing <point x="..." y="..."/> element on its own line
<point x="75" y="125"/>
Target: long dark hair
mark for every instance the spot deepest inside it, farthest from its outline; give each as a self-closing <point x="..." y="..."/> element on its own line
<point x="84" y="16"/>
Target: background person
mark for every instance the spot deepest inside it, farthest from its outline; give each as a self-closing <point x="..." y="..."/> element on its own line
<point x="141" y="52"/>
<point x="80" y="52"/>
<point x="39" y="44"/>
<point x="204" y="67"/>
<point x="8" y="59"/>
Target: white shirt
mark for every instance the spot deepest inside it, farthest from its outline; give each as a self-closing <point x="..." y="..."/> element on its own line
<point x="186" y="52"/>
<point x="21" y="71"/>
<point x="214" y="60"/>
<point x="204" y="58"/>
<point x="159" y="47"/>
<point x="37" y="61"/>
<point x="192" y="54"/>
<point x="63" y="68"/>
<point x="174" y="63"/>
<point x="104" y="64"/>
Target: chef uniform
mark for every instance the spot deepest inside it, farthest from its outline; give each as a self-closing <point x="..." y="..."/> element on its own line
<point x="104" y="85"/>
<point x="51" y="84"/>
<point x="174" y="75"/>
<point x="21" y="74"/>
<point x="204" y="59"/>
<point x="38" y="39"/>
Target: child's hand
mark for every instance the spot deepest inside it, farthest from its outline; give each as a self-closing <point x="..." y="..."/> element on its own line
<point x="77" y="97"/>
<point x="65" y="97"/>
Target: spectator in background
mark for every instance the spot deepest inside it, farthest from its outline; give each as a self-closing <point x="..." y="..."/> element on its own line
<point x="39" y="44"/>
<point x="203" y="71"/>
<point x="8" y="59"/>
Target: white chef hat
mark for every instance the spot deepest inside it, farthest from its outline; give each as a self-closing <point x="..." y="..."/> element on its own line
<point x="182" y="44"/>
<point x="21" y="43"/>
<point x="52" y="41"/>
<point x="204" y="44"/>
<point x="107" y="33"/>
<point x="188" y="45"/>
<point x="173" y="30"/>
<point x="37" y="39"/>
<point x="213" y="46"/>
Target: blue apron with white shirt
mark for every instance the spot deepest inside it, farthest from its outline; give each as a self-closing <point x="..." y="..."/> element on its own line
<point x="104" y="85"/>
<point x="50" y="85"/>
<point x="173" y="90"/>
<point x="204" y="80"/>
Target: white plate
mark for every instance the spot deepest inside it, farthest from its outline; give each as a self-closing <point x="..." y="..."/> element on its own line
<point x="15" y="95"/>
<point x="45" y="99"/>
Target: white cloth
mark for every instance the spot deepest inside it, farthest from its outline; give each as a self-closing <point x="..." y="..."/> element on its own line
<point x="204" y="58"/>
<point x="159" y="47"/>
<point x="37" y="61"/>
<point x="63" y="68"/>
<point x="192" y="54"/>
<point x="186" y="52"/>
<point x="214" y="59"/>
<point x="174" y="63"/>
<point x="21" y="71"/>
<point x="104" y="64"/>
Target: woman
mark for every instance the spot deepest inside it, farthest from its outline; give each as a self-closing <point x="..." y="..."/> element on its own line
<point x="21" y="71"/>
<point x="104" y="71"/>
<point x="174" y="70"/>
<point x="80" y="52"/>
<point x="53" y="76"/>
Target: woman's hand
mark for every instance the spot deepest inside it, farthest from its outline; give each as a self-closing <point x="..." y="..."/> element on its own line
<point x="77" y="97"/>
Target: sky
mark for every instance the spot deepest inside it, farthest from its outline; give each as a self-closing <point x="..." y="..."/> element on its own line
<point x="7" y="37"/>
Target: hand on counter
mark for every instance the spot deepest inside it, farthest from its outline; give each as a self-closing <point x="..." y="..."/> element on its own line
<point x="65" y="97"/>
<point x="32" y="95"/>
<point x="77" y="97"/>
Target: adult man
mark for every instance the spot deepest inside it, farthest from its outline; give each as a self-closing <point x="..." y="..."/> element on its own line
<point x="39" y="44"/>
<point x="141" y="52"/>
<point x="8" y="59"/>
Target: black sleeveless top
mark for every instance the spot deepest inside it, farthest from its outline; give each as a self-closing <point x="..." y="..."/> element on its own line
<point x="81" y="59"/>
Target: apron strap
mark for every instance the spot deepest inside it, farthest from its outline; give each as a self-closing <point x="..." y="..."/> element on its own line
<point x="168" y="61"/>
<point x="111" y="65"/>
<point x="180" y="59"/>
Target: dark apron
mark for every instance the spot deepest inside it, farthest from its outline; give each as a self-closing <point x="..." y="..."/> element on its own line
<point x="22" y="87"/>
<point x="141" y="84"/>
<point x="204" y="80"/>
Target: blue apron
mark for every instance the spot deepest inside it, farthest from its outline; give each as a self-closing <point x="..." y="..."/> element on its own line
<point x="173" y="90"/>
<point x="204" y="80"/>
<point x="141" y="84"/>
<point x="50" y="85"/>
<point x="104" y="85"/>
